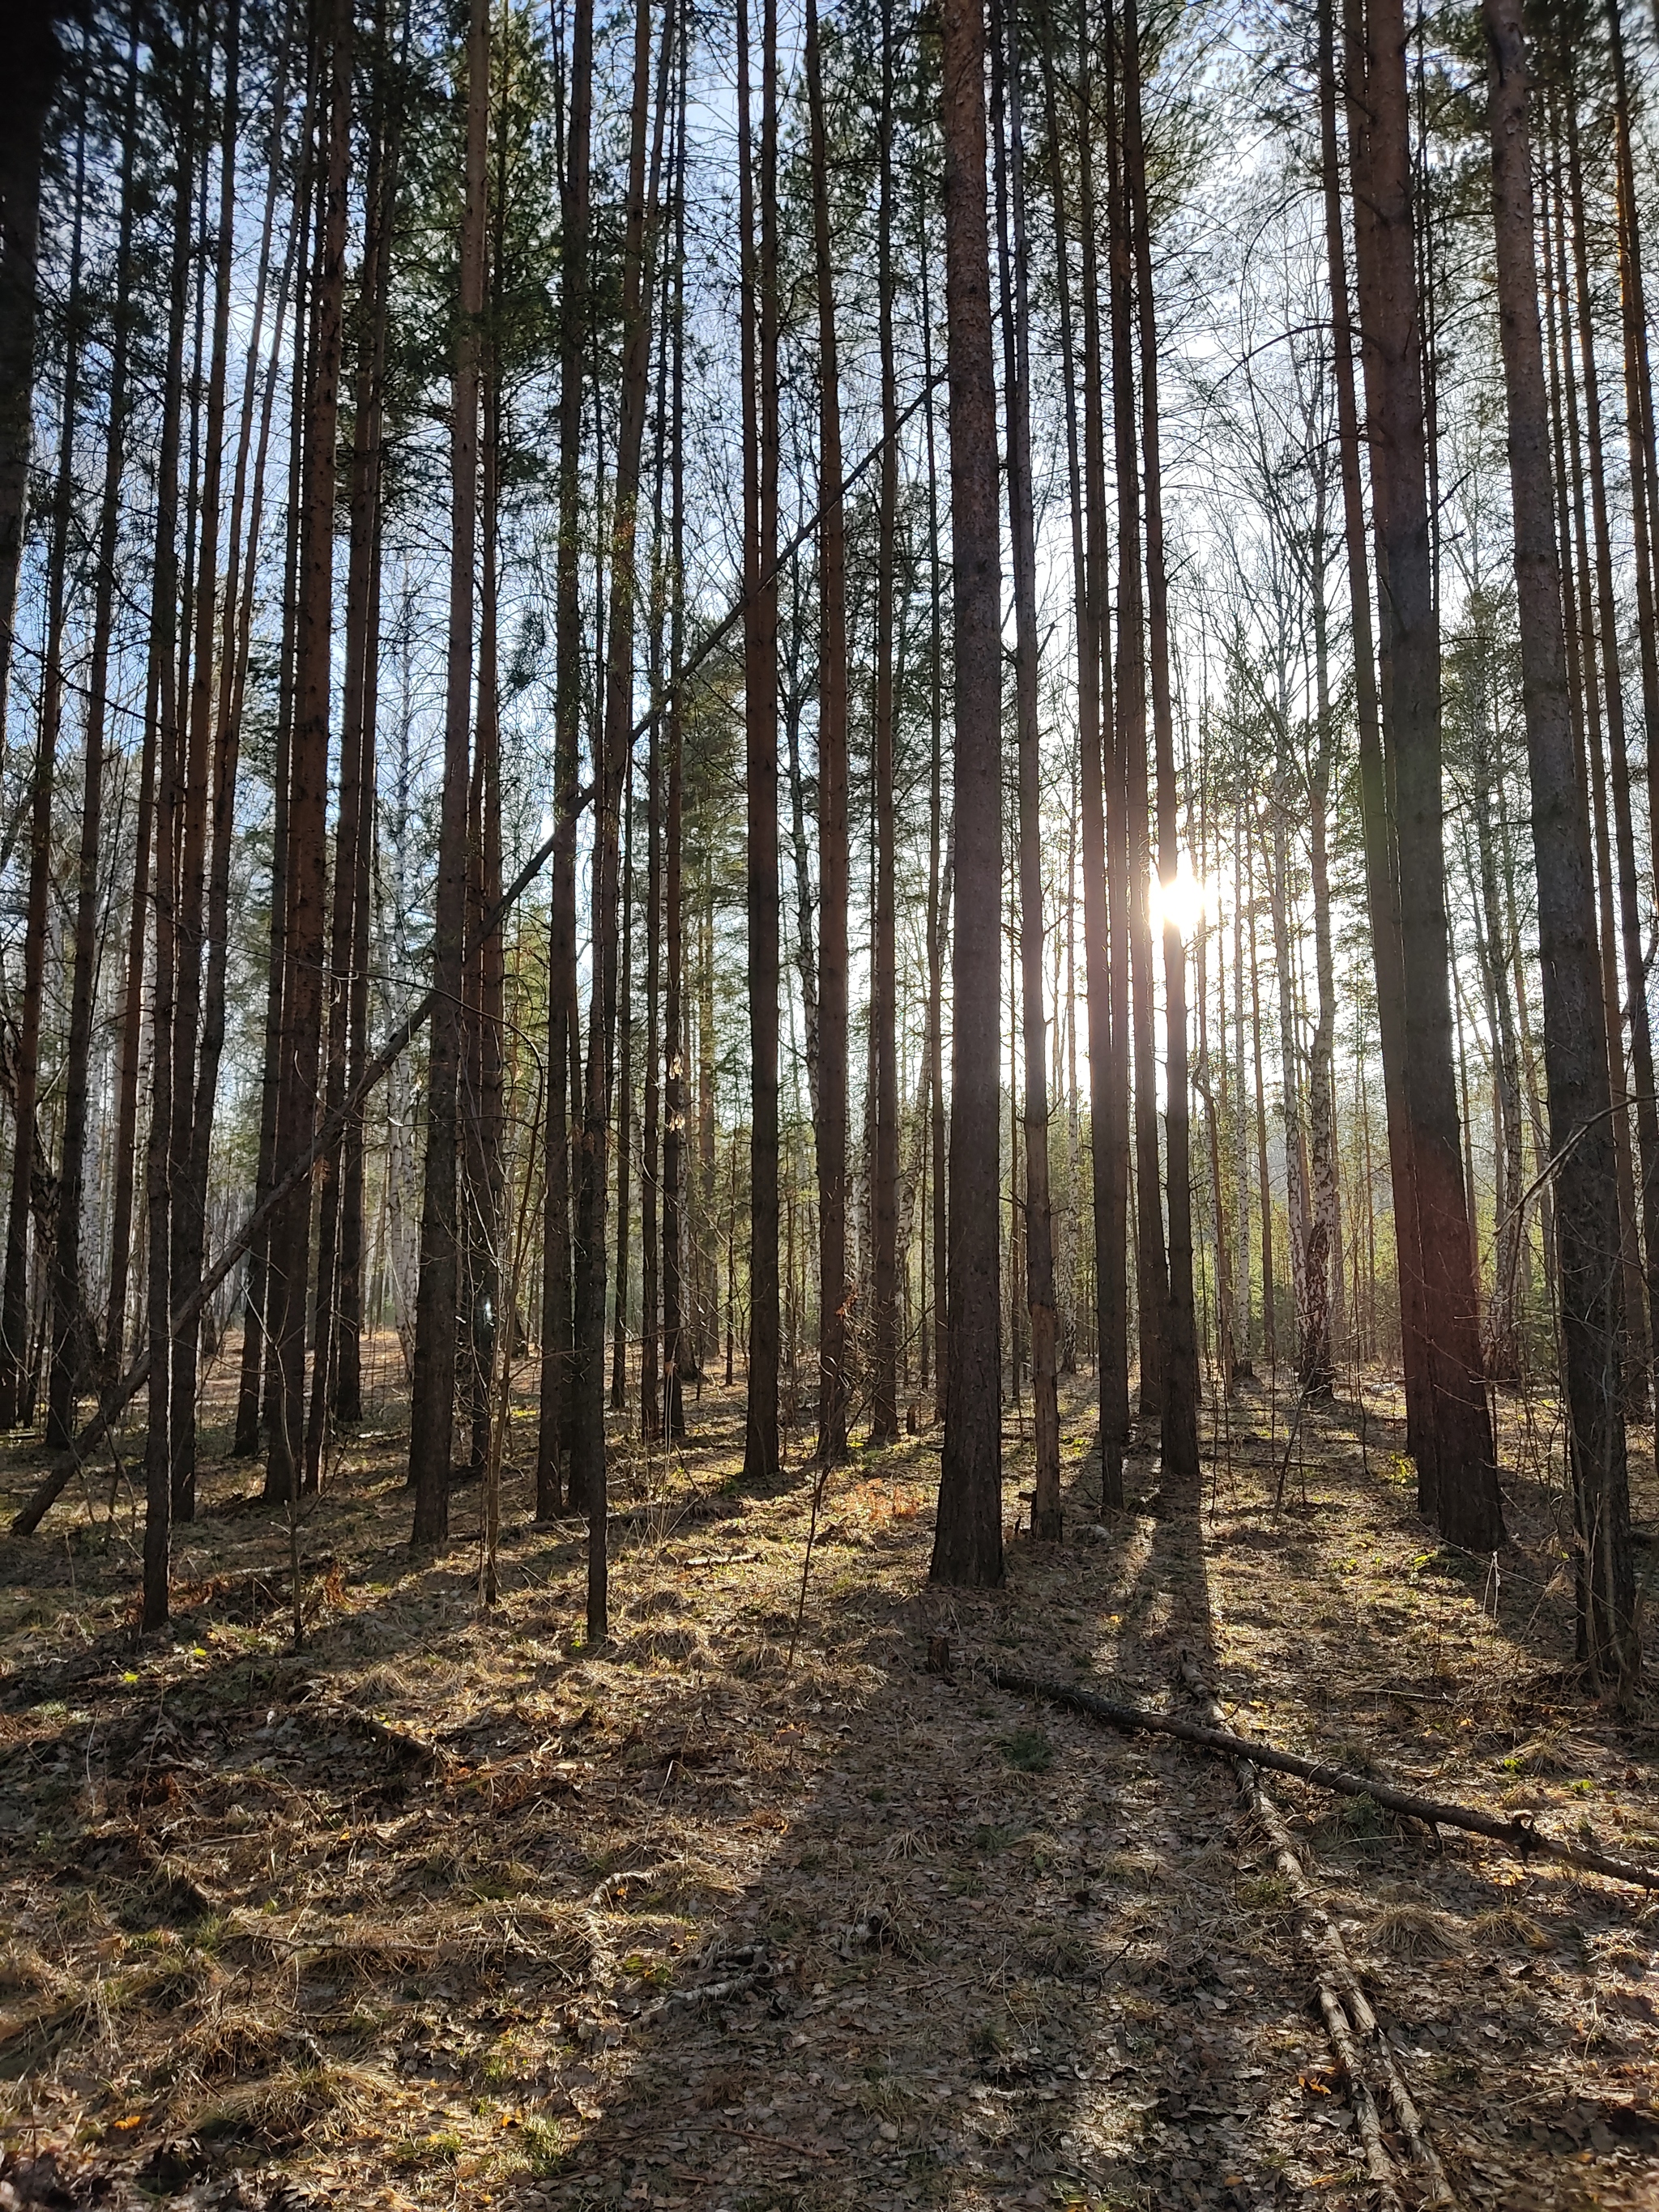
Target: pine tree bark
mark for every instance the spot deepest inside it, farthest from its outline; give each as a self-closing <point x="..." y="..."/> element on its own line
<point x="257" y="1371"/>
<point x="677" y="1338"/>
<point x="189" y="1209"/>
<point x="651" y="1117"/>
<point x="1575" y="1047"/>
<point x="1641" y="1290"/>
<point x="70" y="1350"/>
<point x="587" y="1458"/>
<point x="832" y="1131"/>
<point x="939" y="868"/>
<point x="1264" y="1186"/>
<point x="760" y="384"/>
<point x="1457" y="1477"/>
<point x="1180" y="1384"/>
<point x="1112" y="1070"/>
<point x="625" y="1097"/>
<point x="483" y="1149"/>
<point x="562" y="1014"/>
<point x="15" y="1303"/>
<point x="432" y="1410"/>
<point x="1047" y="1520"/>
<point x="884" y="1008"/>
<point x="1151" y="1269"/>
<point x="356" y="797"/>
<point x="304" y="946"/>
<point x="968" y="1539"/>
<point x="1085" y="556"/>
<point x="34" y="62"/>
<point x="1584" y="667"/>
<point x="368" y="505"/>
<point x="1638" y="403"/>
<point x="161" y="737"/>
<point x="1377" y="820"/>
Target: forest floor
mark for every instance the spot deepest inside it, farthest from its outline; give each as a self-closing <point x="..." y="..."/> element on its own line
<point x="444" y="1908"/>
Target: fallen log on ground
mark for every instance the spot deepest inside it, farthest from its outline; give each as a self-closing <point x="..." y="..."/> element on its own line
<point x="1355" y="2035"/>
<point x="1518" y="1836"/>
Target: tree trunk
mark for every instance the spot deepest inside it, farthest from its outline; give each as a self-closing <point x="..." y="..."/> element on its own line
<point x="1638" y="405"/>
<point x="1151" y="1269"/>
<point x="1111" y="1120"/>
<point x="1641" y="1294"/>
<point x="1264" y="1186"/>
<point x="306" y="857"/>
<point x="831" y="1130"/>
<point x="967" y="1540"/>
<point x="15" y="1302"/>
<point x="354" y="825"/>
<point x="1047" y="1524"/>
<point x="1180" y="1424"/>
<point x="367" y="462"/>
<point x="760" y="386"/>
<point x="587" y="1435"/>
<point x="884" y="1009"/>
<point x="938" y="856"/>
<point x="1459" y="1484"/>
<point x="625" y="1086"/>
<point x="432" y="1407"/>
<point x="1276" y="858"/>
<point x="676" y="1339"/>
<point x="162" y="740"/>
<point x="70" y="1350"/>
<point x="651" y="1122"/>
<point x="1085" y="556"/>
<point x="35" y="61"/>
<point x="200" y="757"/>
<point x="1575" y="1048"/>
<point x="1376" y="819"/>
<point x="557" y="1360"/>
<point x="257" y="1371"/>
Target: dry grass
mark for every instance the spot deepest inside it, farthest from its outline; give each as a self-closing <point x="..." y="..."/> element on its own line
<point x="449" y="1910"/>
<point x="1416" y="1931"/>
<point x="318" y="2102"/>
<point x="1507" y="1927"/>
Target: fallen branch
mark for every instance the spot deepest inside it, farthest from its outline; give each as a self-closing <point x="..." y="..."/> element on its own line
<point x="1517" y="1836"/>
<point x="1344" y="2004"/>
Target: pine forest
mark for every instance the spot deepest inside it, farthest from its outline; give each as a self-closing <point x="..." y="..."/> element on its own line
<point x="828" y="1145"/>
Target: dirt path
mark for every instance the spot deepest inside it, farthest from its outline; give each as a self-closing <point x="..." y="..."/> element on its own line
<point x="446" y="1910"/>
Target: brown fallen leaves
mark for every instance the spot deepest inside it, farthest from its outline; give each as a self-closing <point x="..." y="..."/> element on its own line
<point x="448" y="1909"/>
